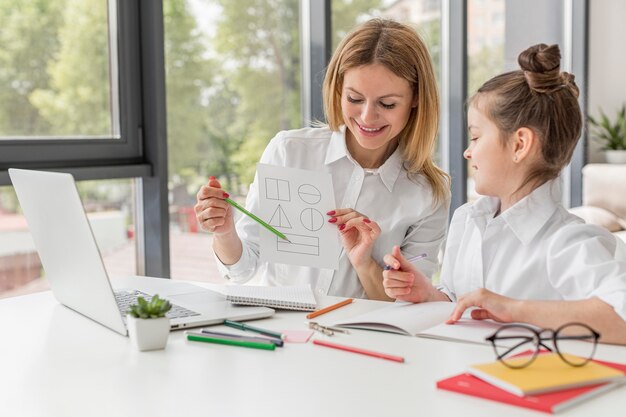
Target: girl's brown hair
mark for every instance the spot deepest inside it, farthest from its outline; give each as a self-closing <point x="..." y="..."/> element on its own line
<point x="539" y="97"/>
<point x="400" y="49"/>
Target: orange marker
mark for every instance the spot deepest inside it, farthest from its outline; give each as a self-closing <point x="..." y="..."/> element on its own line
<point x="329" y="308"/>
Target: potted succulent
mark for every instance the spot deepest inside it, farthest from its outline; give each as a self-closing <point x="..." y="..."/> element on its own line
<point x="612" y="135"/>
<point x="148" y="327"/>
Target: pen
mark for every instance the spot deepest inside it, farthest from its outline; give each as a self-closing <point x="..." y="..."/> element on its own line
<point x="277" y="342"/>
<point x="359" y="350"/>
<point x="199" y="337"/>
<point x="329" y="308"/>
<point x="255" y="218"/>
<point x="413" y="259"/>
<point x="243" y="326"/>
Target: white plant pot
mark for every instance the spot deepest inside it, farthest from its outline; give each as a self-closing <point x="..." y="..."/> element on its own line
<point x="148" y="334"/>
<point x="615" y="157"/>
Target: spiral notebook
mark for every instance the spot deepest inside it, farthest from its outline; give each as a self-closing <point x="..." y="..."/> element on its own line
<point x="294" y="297"/>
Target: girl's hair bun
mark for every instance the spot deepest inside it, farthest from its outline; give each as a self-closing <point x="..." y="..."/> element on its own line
<point x="541" y="65"/>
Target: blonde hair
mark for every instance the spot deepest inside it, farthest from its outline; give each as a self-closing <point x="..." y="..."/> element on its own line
<point x="539" y="97"/>
<point x="400" y="49"/>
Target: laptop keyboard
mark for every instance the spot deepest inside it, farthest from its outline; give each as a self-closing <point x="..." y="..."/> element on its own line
<point x="127" y="298"/>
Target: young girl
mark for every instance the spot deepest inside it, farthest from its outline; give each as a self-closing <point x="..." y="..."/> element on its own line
<point x="382" y="109"/>
<point x="516" y="253"/>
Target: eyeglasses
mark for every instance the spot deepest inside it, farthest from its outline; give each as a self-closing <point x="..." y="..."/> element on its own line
<point x="513" y="339"/>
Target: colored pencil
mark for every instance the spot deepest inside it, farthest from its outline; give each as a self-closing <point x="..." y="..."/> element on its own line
<point x="329" y="308"/>
<point x="277" y="342"/>
<point x="256" y="219"/>
<point x="199" y="337"/>
<point x="359" y="351"/>
<point x="244" y="326"/>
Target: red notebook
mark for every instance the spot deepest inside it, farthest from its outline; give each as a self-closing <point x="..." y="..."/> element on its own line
<point x="551" y="402"/>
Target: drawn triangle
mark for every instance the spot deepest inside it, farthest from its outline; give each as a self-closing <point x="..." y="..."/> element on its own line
<point x="279" y="218"/>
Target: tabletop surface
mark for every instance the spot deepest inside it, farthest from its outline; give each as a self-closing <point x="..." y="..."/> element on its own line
<point x="55" y="362"/>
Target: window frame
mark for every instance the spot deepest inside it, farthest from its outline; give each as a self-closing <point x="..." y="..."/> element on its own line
<point x="84" y="151"/>
<point x="141" y="150"/>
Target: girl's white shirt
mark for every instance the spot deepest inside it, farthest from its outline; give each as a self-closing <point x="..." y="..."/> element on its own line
<point x="402" y="207"/>
<point x="534" y="250"/>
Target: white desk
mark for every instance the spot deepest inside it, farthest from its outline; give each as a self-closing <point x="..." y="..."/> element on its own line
<point x="54" y="362"/>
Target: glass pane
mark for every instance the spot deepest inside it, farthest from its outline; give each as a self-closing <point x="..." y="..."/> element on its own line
<point x="499" y="30"/>
<point x="111" y="212"/>
<point x="485" y="52"/>
<point x="423" y="15"/>
<point x="56" y="78"/>
<point x="233" y="82"/>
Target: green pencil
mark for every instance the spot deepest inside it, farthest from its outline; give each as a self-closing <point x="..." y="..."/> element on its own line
<point x="218" y="340"/>
<point x="255" y="218"/>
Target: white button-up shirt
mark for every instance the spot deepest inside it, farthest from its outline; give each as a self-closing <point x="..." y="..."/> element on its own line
<point x="402" y="207"/>
<point x="534" y="250"/>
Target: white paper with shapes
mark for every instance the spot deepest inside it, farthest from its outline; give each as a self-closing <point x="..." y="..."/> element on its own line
<point x="295" y="202"/>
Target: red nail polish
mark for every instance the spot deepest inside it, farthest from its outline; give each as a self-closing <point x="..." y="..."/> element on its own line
<point x="211" y="177"/>
<point x="333" y="220"/>
<point x="331" y="213"/>
<point x="367" y="220"/>
<point x="343" y="226"/>
<point x="226" y="195"/>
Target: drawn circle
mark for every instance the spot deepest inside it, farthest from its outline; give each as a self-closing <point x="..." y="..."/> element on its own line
<point x="309" y="194"/>
<point x="311" y="219"/>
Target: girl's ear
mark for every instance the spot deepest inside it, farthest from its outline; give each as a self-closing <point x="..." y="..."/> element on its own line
<point x="525" y="141"/>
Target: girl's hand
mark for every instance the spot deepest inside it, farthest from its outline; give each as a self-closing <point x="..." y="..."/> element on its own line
<point x="213" y="213"/>
<point x="358" y="234"/>
<point x="490" y="306"/>
<point x="404" y="282"/>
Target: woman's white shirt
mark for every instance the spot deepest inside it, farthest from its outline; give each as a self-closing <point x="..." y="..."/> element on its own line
<point x="402" y="207"/>
<point x="534" y="250"/>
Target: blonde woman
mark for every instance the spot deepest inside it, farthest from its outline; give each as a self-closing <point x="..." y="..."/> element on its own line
<point x="382" y="110"/>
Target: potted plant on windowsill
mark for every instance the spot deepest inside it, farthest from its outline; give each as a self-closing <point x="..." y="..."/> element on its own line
<point x="612" y="135"/>
<point x="148" y="327"/>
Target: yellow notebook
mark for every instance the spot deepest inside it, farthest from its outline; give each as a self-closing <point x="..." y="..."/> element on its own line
<point x="547" y="373"/>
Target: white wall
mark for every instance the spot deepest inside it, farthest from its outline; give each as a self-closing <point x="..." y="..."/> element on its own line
<point x="607" y="61"/>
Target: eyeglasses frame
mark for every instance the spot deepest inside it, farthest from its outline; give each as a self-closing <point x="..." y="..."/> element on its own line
<point x="538" y="342"/>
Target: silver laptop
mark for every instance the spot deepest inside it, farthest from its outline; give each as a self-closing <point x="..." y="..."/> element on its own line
<point x="75" y="271"/>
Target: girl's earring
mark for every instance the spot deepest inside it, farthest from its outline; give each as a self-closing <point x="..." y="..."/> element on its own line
<point x="515" y="157"/>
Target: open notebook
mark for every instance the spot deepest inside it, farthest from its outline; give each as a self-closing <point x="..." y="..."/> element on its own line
<point x="425" y="320"/>
<point x="294" y="297"/>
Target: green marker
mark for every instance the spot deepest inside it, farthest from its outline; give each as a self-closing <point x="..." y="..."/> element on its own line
<point x="244" y="343"/>
<point x="244" y="326"/>
<point x="255" y="218"/>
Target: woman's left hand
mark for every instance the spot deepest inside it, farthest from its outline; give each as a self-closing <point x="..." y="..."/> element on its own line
<point x="358" y="234"/>
<point x="490" y="306"/>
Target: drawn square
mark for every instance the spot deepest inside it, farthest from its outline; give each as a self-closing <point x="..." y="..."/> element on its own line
<point x="277" y="189"/>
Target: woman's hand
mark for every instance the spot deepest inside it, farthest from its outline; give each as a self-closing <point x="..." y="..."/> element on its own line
<point x="213" y="213"/>
<point x="358" y="234"/>
<point x="405" y="282"/>
<point x="490" y="306"/>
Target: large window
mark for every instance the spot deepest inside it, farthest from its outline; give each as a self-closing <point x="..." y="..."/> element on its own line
<point x="498" y="30"/>
<point x="56" y="79"/>
<point x="233" y="82"/>
<point x="69" y="70"/>
<point x="82" y="90"/>
<point x="70" y="100"/>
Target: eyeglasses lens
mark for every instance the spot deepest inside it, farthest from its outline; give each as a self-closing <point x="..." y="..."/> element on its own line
<point x="511" y="341"/>
<point x="568" y="339"/>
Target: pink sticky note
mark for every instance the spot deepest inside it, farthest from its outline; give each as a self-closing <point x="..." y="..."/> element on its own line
<point x="297" y="336"/>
